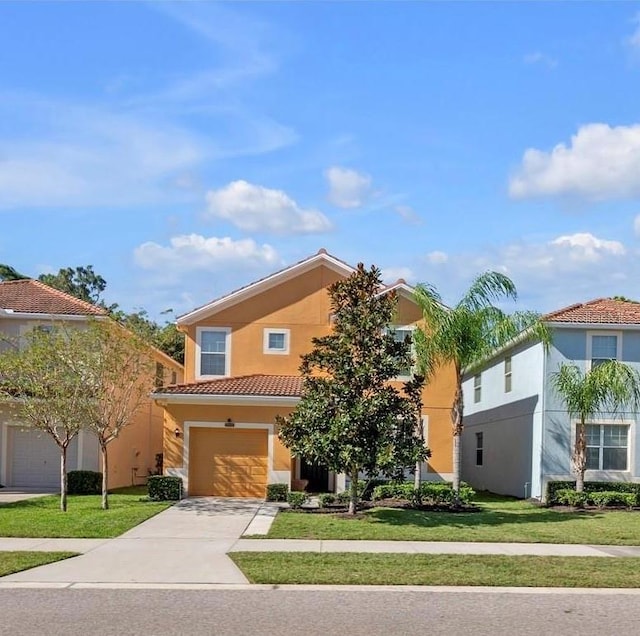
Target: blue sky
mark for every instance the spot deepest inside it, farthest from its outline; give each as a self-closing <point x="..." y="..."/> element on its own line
<point x="185" y="149"/>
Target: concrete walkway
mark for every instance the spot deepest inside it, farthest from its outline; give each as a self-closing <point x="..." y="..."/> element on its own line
<point x="186" y="543"/>
<point x="9" y="495"/>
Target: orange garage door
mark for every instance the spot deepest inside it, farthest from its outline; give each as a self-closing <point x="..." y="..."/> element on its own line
<point x="227" y="463"/>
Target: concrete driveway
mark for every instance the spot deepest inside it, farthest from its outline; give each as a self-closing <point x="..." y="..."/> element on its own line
<point x="186" y="543"/>
<point x="9" y="495"/>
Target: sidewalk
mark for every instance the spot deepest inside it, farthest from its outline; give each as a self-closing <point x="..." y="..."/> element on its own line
<point x="302" y="545"/>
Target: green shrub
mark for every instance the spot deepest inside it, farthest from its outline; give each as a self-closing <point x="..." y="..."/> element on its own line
<point x="327" y="499"/>
<point x="605" y="498"/>
<point x="369" y="486"/>
<point x="343" y="497"/>
<point x="428" y="493"/>
<point x="568" y="497"/>
<point x="84" y="482"/>
<point x="164" y="488"/>
<point x="295" y="498"/>
<point x="277" y="492"/>
<point x="591" y="486"/>
<point x="393" y="491"/>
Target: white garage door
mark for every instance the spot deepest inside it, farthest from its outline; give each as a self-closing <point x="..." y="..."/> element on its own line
<point x="35" y="459"/>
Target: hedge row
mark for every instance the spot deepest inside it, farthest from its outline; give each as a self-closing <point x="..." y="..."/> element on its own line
<point x="553" y="487"/>
<point x="428" y="493"/>
<point x="84" y="482"/>
<point x="599" y="498"/>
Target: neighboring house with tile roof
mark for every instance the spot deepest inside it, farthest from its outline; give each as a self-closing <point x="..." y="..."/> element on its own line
<point x="242" y="358"/>
<point x="30" y="459"/>
<point x="517" y="434"/>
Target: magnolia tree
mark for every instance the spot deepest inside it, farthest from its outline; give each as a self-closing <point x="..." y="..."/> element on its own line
<point x="351" y="417"/>
<point x="41" y="386"/>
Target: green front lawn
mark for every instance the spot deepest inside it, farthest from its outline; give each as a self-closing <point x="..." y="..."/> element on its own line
<point x="84" y="518"/>
<point x="437" y="569"/>
<point x="12" y="562"/>
<point x="500" y="519"/>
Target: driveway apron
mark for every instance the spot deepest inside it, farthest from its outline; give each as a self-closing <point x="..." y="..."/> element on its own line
<point x="186" y="543"/>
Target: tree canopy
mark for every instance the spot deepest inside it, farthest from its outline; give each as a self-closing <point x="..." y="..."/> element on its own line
<point x="351" y="416"/>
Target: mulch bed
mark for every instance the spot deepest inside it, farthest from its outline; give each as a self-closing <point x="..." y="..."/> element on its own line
<point x="340" y="510"/>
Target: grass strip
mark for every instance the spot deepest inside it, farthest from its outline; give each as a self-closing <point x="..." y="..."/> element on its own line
<point x="41" y="517"/>
<point x="12" y="562"/>
<point x="498" y="520"/>
<point x="437" y="569"/>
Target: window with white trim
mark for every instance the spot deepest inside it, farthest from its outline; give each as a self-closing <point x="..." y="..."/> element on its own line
<point x="607" y="446"/>
<point x="507" y="374"/>
<point x="602" y="347"/>
<point x="479" y="449"/>
<point x="477" y="387"/>
<point x="400" y="334"/>
<point x="276" y="341"/>
<point x="213" y="351"/>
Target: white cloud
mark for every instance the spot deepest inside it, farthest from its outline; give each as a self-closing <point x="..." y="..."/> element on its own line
<point x="633" y="41"/>
<point x="538" y="57"/>
<point x="391" y="275"/>
<point x="347" y="188"/>
<point x="193" y="252"/>
<point x="601" y="162"/>
<point x="408" y="214"/>
<point x="256" y="208"/>
<point x="548" y="274"/>
<point x="636" y="225"/>
<point x="437" y="257"/>
<point x="584" y="246"/>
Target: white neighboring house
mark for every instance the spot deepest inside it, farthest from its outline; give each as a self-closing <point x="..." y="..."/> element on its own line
<point x="517" y="434"/>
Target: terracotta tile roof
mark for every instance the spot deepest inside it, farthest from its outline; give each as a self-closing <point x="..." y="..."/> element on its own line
<point x="34" y="297"/>
<point x="265" y="385"/>
<point x="602" y="310"/>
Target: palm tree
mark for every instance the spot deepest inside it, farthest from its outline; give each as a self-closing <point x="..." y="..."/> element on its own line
<point x="606" y="388"/>
<point x="467" y="333"/>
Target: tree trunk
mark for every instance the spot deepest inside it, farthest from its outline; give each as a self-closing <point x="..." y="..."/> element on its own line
<point x="63" y="478"/>
<point x="417" y="476"/>
<point x="580" y="456"/>
<point x="353" y="491"/>
<point x="105" y="478"/>
<point x="456" y="421"/>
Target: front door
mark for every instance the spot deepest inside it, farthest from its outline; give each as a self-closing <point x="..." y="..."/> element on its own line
<point x="317" y="475"/>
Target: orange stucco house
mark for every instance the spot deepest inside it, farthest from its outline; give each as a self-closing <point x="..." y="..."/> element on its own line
<point x="29" y="458"/>
<point x="242" y="355"/>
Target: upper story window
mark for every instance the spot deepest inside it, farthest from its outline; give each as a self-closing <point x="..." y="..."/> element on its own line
<point x="602" y="347"/>
<point x="507" y="374"/>
<point x="159" y="379"/>
<point x="213" y="351"/>
<point x="400" y="334"/>
<point x="276" y="341"/>
<point x="477" y="388"/>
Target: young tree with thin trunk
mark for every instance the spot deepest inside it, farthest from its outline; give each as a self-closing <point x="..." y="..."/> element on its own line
<point x="607" y="388"/>
<point x="462" y="335"/>
<point x="40" y="386"/>
<point x="118" y="369"/>
<point x="351" y="418"/>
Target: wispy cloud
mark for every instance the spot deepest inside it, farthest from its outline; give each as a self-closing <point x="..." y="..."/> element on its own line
<point x="633" y="41"/>
<point x="537" y="57"/>
<point x="347" y="188"/>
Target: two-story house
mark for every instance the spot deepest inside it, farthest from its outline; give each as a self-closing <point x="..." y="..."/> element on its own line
<point x="30" y="458"/>
<point x="518" y="435"/>
<point x="242" y="358"/>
